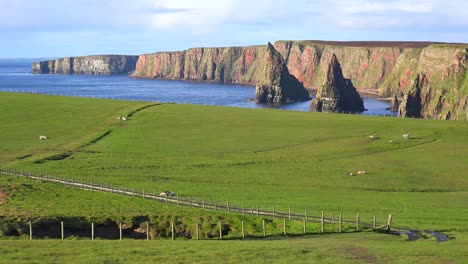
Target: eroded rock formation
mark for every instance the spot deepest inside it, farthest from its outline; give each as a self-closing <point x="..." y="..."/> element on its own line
<point x="336" y="94"/>
<point x="276" y="84"/>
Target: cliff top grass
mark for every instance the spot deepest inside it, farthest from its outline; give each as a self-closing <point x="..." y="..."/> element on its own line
<point x="258" y="157"/>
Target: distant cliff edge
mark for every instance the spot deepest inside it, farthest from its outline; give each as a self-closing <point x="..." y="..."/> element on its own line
<point x="429" y="79"/>
<point x="97" y="64"/>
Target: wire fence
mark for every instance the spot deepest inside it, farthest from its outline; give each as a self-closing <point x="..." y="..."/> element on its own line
<point x="198" y="202"/>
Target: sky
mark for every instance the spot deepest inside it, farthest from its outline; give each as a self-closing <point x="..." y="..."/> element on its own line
<point x="58" y="28"/>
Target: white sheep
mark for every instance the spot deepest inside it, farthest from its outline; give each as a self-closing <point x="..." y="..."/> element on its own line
<point x="371" y="137"/>
<point x="42" y="137"/>
<point x="406" y="136"/>
<point x="361" y="172"/>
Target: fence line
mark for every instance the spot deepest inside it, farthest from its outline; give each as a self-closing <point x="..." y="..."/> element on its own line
<point x="190" y="202"/>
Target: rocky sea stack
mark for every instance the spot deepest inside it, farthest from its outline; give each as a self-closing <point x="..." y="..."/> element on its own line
<point x="277" y="85"/>
<point x="336" y="94"/>
<point x="394" y="105"/>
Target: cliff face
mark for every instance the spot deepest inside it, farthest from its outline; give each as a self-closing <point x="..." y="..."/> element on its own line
<point x="437" y="86"/>
<point x="277" y="85"/>
<point x="386" y="68"/>
<point x="99" y="64"/>
<point x="336" y="94"/>
<point x="230" y="65"/>
<point x="367" y="67"/>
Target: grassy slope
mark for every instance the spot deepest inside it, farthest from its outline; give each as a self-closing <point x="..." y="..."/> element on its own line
<point x="352" y="248"/>
<point x="253" y="156"/>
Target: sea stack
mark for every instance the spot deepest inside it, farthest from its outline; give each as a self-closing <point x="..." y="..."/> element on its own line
<point x="394" y="104"/>
<point x="336" y="94"/>
<point x="277" y="85"/>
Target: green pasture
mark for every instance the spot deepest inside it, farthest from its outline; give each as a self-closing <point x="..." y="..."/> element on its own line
<point x="265" y="158"/>
<point x="258" y="157"/>
<point x="349" y="248"/>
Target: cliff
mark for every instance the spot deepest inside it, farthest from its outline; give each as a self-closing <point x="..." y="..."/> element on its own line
<point x="336" y="94"/>
<point x="383" y="68"/>
<point x="276" y="84"/>
<point x="229" y="65"/>
<point x="435" y="84"/>
<point x="98" y="64"/>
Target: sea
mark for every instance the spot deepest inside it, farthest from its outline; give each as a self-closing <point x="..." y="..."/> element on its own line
<point x="16" y="76"/>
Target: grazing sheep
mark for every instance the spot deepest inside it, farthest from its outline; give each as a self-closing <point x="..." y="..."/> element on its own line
<point x="372" y="137"/>
<point x="42" y="137"/>
<point x="361" y="172"/>
<point x="391" y="141"/>
<point x="406" y="136"/>
<point x="351" y="174"/>
<point x="124" y="118"/>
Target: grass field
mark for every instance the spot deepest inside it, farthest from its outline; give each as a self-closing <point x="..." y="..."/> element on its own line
<point x="258" y="157"/>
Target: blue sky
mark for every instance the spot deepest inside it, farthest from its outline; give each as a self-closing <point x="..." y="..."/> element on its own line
<point x="57" y="28"/>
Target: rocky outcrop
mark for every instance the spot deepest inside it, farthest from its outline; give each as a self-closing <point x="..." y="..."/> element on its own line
<point x="436" y="86"/>
<point x="336" y="94"/>
<point x="394" y="104"/>
<point x="277" y="85"/>
<point x="99" y="64"/>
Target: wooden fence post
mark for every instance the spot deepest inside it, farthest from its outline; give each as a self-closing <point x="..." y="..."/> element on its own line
<point x="242" y="207"/>
<point x="332" y="218"/>
<point x="220" y="230"/>
<point x="264" y="228"/>
<point x="256" y="206"/>
<point x="111" y="188"/>
<point x="305" y="215"/>
<point x="144" y="194"/>
<point x="227" y="206"/>
<point x="166" y="198"/>
<point x="273" y="213"/>
<point x="154" y="195"/>
<point x="341" y="223"/>
<point x="81" y="184"/>
<point x="321" y="223"/>
<point x="375" y="223"/>
<point x="147" y="230"/>
<point x="203" y="202"/>
<point x="190" y="201"/>
<point x="305" y="226"/>
<point x="92" y="231"/>
<point x="177" y="199"/>
<point x="289" y="213"/>
<point x="133" y="192"/>
<point x="61" y="230"/>
<point x="357" y="222"/>
<point x="389" y="222"/>
<point x="197" y="227"/>
<point x="122" y="190"/>
<point x="172" y="231"/>
<point x="120" y="231"/>
<point x="30" y="231"/>
<point x="284" y="227"/>
<point x="243" y="231"/>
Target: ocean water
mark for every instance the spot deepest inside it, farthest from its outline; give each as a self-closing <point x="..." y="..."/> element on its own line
<point x="15" y="76"/>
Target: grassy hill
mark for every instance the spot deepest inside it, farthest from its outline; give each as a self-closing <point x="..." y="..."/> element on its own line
<point x="257" y="157"/>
